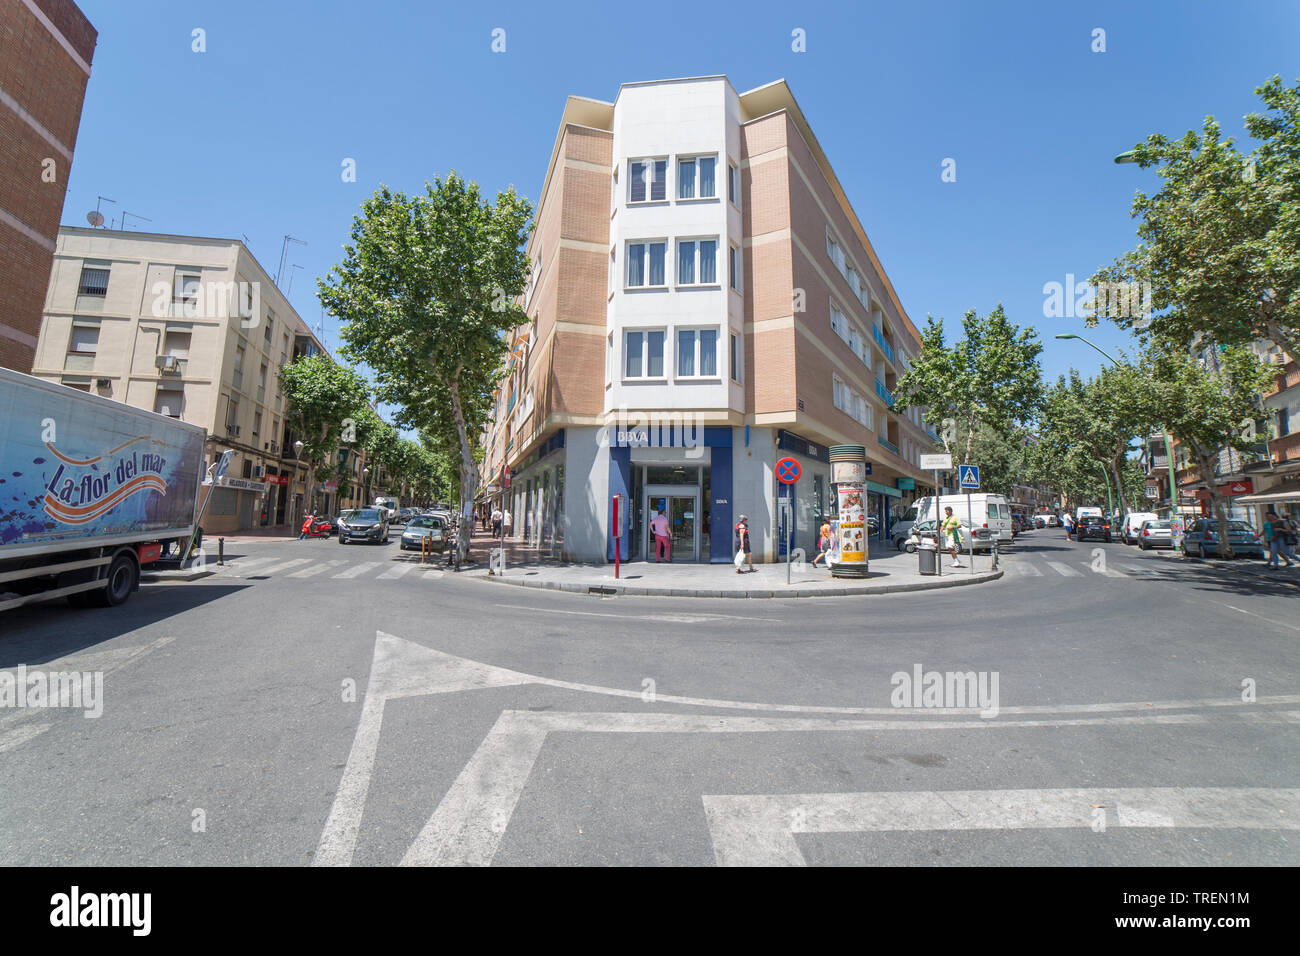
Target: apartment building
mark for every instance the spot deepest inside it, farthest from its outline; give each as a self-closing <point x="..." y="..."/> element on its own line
<point x="46" y="47"/>
<point x="704" y="302"/>
<point x="193" y="328"/>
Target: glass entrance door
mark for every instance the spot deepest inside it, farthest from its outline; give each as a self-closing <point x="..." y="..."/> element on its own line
<point x="683" y="515"/>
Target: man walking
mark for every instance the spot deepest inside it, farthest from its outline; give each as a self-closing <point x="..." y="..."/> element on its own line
<point x="659" y="528"/>
<point x="1276" y="530"/>
<point x="951" y="528"/>
<point x="743" y="553"/>
<point x="496" y="522"/>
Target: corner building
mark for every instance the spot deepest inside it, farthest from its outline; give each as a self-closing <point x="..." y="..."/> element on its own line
<point x="704" y="302"/>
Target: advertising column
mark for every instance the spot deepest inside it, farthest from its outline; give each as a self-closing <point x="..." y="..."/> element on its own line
<point x="849" y="475"/>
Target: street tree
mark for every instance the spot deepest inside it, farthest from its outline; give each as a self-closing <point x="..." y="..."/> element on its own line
<point x="426" y="294"/>
<point x="321" y="397"/>
<point x="1220" y="241"/>
<point x="991" y="378"/>
<point x="1211" y="404"/>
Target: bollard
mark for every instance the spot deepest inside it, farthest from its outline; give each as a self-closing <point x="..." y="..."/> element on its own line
<point x="221" y="551"/>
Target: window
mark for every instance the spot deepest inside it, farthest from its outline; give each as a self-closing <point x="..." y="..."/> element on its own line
<point x="651" y="173"/>
<point x="697" y="261"/>
<point x="736" y="356"/>
<point x="232" y="416"/>
<point x="82" y="346"/>
<point x="261" y="383"/>
<point x="94" y="281"/>
<point x="733" y="184"/>
<point x="169" y="401"/>
<point x="733" y="266"/>
<point x="177" y="343"/>
<point x="638" y="275"/>
<point x="696" y="178"/>
<point x="645" y="354"/>
<point x="237" y="379"/>
<point x="257" y="426"/>
<point x="266" y="333"/>
<point x="850" y="402"/>
<point x="697" y="353"/>
<point x="185" y="293"/>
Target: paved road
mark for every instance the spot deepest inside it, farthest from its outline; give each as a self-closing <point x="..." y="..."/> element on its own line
<point x="340" y="705"/>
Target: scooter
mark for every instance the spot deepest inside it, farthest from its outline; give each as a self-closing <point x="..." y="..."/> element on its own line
<point x="314" y="527"/>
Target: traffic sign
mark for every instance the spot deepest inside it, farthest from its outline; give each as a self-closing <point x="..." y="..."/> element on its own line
<point x="936" y="462"/>
<point x="223" y="464"/>
<point x="968" y="477"/>
<point x="787" y="471"/>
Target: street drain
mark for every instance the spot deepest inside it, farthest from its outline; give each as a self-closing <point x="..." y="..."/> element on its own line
<point x="598" y="589"/>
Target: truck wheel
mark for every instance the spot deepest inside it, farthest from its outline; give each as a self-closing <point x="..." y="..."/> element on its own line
<point x="123" y="575"/>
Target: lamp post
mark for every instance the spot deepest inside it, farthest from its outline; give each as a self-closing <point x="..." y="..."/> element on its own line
<point x="297" y="453"/>
<point x="1169" y="444"/>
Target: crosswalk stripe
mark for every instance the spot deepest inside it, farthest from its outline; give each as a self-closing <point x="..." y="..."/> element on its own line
<point x="275" y="568"/>
<point x="317" y="569"/>
<point x="243" y="564"/>
<point x="1064" y="569"/>
<point x="396" y="571"/>
<point x="1025" y="569"/>
<point x="361" y="568"/>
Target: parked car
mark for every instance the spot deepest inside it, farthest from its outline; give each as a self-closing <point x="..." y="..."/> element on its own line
<point x="404" y="515"/>
<point x="364" y="524"/>
<point x="1132" y="524"/>
<point x="1158" y="533"/>
<point x="1092" y="526"/>
<point x="925" y="530"/>
<point x="422" y="527"/>
<point x="1040" y="521"/>
<point x="1201" y="539"/>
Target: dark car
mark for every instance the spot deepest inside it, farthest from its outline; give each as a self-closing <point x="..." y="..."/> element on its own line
<point x="1201" y="539"/>
<point x="364" y="524"/>
<point x="1092" y="526"/>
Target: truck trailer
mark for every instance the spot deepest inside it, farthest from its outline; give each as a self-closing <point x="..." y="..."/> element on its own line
<point x="90" y="491"/>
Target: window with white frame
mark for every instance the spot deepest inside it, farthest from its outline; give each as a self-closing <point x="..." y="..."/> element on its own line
<point x="643" y="353"/>
<point x="647" y="180"/>
<point x="733" y="267"/>
<point x="697" y="177"/>
<point x="737" y="359"/>
<point x="94" y="280"/>
<point x="733" y="184"/>
<point x="697" y="353"/>
<point x="850" y="402"/>
<point x="645" y="264"/>
<point x="185" y="292"/>
<point x="834" y="250"/>
<point x="697" y="261"/>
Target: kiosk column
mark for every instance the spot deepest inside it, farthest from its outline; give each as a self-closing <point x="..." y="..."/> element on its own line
<point x="849" y="475"/>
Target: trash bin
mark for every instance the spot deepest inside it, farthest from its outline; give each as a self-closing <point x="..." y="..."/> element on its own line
<point x="925" y="552"/>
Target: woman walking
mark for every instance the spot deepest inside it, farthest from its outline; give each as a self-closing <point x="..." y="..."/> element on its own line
<point x="1279" y="533"/>
<point x="743" y="553"/>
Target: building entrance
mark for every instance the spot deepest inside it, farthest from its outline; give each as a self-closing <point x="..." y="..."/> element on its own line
<point x="683" y="514"/>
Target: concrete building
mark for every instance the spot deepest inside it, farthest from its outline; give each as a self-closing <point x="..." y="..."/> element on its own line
<point x="46" y="47"/>
<point x="196" y="329"/>
<point x="704" y="302"/>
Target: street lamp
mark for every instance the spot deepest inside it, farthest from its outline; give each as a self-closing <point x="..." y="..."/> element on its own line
<point x="1169" y="444"/>
<point x="297" y="453"/>
<point x="1128" y="156"/>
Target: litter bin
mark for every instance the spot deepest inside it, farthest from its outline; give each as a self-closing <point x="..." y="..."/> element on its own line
<point x="925" y="552"/>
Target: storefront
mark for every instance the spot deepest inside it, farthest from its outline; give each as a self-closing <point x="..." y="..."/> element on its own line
<point x="536" y="497"/>
<point x="813" y="496"/>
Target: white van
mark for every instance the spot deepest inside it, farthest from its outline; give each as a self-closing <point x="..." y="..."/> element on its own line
<point x="1128" y="530"/>
<point x="991" y="512"/>
<point x="1087" y="512"/>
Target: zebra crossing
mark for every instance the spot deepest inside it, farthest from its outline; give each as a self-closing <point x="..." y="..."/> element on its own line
<point x="1025" y="566"/>
<point x="300" y="568"/>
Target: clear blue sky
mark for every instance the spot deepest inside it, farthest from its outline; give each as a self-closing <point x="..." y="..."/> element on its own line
<point x="247" y="138"/>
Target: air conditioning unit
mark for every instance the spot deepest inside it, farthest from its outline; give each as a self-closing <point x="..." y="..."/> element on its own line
<point x="275" y="448"/>
<point x="168" y="363"/>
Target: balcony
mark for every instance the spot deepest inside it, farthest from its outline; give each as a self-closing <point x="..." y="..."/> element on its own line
<point x="884" y="394"/>
<point x="887" y="443"/>
<point x="880" y="340"/>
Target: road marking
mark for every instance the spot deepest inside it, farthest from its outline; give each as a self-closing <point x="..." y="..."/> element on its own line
<point x="20" y="735"/>
<point x="242" y="564"/>
<point x="357" y="569"/>
<point x="673" y="618"/>
<point x="759" y="830"/>
<point x="316" y="569"/>
<point x="1260" y="616"/>
<point x="284" y="565"/>
<point x="1024" y="569"/>
<point x="396" y="571"/>
<point x="1064" y="569"/>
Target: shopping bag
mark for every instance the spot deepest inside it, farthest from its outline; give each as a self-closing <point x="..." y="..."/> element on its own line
<point x="740" y="559"/>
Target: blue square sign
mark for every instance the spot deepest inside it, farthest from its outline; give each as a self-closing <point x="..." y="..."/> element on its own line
<point x="968" y="477"/>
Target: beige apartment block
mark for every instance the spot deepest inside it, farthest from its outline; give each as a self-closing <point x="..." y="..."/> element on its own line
<point x="704" y="301"/>
<point x="193" y="328"/>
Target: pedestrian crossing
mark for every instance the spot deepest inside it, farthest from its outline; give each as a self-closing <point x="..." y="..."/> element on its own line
<point x="1025" y="566"/>
<point x="302" y="568"/>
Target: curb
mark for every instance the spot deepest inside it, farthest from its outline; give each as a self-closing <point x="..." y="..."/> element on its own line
<point x="636" y="591"/>
<point x="191" y="575"/>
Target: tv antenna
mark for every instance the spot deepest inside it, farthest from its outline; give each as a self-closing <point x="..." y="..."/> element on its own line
<point x="284" y="253"/>
<point x="290" y="288"/>
<point x="134" y="215"/>
<point x="95" y="217"/>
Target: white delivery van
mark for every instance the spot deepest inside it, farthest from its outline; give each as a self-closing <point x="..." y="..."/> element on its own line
<point x="1086" y="512"/>
<point x="1132" y="524"/>
<point x="991" y="513"/>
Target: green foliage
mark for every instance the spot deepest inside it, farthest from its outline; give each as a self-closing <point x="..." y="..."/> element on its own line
<point x="1220" y="240"/>
<point x="320" y="397"/>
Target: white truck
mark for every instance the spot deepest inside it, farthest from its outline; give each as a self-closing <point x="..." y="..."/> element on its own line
<point x="90" y="490"/>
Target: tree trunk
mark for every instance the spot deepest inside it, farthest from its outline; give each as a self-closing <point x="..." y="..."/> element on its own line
<point x="1121" y="504"/>
<point x="468" y="469"/>
<point x="1218" y="505"/>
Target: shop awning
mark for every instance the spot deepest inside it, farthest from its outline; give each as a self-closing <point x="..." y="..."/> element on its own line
<point x="1287" y="491"/>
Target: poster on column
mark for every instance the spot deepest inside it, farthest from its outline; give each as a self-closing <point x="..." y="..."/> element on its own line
<point x="852" y="537"/>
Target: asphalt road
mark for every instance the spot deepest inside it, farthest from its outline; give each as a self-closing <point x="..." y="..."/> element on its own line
<point x="339" y="705"/>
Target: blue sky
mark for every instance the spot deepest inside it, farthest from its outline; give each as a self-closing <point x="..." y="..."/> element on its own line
<point x="247" y="138"/>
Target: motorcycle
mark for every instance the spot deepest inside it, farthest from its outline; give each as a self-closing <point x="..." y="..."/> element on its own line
<point x="314" y="527"/>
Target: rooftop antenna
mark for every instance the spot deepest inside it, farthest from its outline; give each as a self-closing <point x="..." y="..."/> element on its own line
<point x="284" y="252"/>
<point x="290" y="288"/>
<point x="96" y="218"/>
<point x="136" y="215"/>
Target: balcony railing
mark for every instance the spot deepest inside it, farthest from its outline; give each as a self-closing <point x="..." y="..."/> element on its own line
<point x="884" y="394"/>
<point x="880" y="340"/>
<point x="887" y="443"/>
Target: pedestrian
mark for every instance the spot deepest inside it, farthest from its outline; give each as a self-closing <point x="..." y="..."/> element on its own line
<point x="1275" y="534"/>
<point x="823" y="544"/>
<point x="663" y="545"/>
<point x="951" y="529"/>
<point x="496" y="522"/>
<point x="743" y="553"/>
<point x="507" y="522"/>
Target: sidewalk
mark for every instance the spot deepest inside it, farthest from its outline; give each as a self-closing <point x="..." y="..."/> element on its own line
<point x="890" y="572"/>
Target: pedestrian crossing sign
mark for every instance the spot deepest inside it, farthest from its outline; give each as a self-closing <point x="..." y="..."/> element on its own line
<point x="968" y="477"/>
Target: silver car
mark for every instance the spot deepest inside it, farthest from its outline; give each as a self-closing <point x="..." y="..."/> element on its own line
<point x="1155" y="534"/>
<point x="422" y="528"/>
